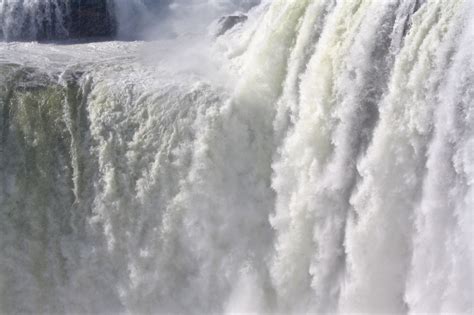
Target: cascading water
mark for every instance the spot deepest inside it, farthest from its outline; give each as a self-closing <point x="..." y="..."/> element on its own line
<point x="33" y="19"/>
<point x="56" y="19"/>
<point x="48" y="20"/>
<point x="319" y="160"/>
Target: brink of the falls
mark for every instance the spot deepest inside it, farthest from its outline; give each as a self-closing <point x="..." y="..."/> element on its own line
<point x="316" y="157"/>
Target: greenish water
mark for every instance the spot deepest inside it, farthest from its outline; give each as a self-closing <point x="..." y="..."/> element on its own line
<point x="317" y="159"/>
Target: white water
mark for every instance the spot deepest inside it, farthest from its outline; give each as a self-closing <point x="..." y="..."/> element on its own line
<point x="28" y="17"/>
<point x="133" y="19"/>
<point x="318" y="159"/>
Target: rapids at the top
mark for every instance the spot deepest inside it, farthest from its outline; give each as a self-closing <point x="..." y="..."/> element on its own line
<point x="285" y="156"/>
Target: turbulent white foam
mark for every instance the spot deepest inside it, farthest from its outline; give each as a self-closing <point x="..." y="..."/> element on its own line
<point x="318" y="159"/>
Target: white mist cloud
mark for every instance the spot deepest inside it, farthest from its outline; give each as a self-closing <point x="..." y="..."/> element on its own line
<point x="158" y="19"/>
<point x="180" y="36"/>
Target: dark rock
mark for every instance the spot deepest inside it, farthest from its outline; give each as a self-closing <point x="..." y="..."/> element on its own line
<point x="225" y="23"/>
<point x="91" y="18"/>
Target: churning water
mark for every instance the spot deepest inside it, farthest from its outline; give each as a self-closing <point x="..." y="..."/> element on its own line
<point x="316" y="158"/>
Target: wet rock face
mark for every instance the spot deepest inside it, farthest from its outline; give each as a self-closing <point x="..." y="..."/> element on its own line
<point x="91" y="18"/>
<point x="225" y="23"/>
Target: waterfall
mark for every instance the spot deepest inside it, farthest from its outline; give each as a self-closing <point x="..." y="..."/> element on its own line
<point x="55" y="19"/>
<point x="48" y="20"/>
<point x="33" y="19"/>
<point x="322" y="161"/>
